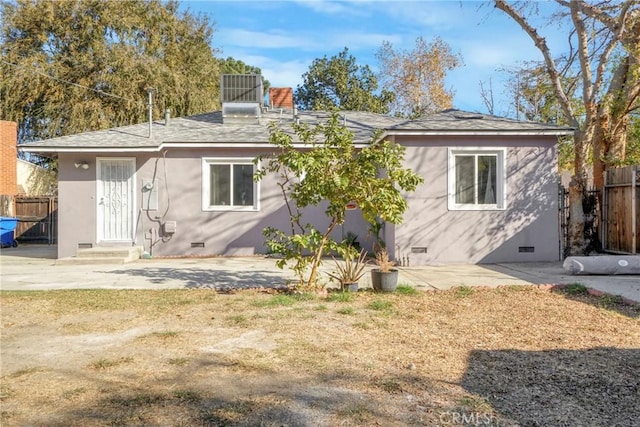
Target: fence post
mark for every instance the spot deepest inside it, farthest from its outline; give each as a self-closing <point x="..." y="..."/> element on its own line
<point x="603" y="213"/>
<point x="634" y="218"/>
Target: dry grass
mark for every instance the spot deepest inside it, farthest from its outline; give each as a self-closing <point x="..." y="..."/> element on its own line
<point x="509" y="356"/>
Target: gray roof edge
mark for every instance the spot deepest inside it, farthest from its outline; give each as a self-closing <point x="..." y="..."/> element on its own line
<point x="488" y="132"/>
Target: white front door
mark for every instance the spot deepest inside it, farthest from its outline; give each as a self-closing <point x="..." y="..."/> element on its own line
<point x="115" y="199"/>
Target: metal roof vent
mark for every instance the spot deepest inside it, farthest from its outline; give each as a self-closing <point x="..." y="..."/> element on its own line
<point x="468" y="116"/>
<point x="242" y="97"/>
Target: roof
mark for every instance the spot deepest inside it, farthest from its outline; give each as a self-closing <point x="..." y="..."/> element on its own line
<point x="457" y="122"/>
<point x="209" y="130"/>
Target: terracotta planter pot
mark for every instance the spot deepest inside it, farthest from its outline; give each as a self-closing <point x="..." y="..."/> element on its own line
<point x="384" y="281"/>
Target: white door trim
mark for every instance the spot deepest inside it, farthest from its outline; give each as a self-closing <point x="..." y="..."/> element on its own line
<point x="126" y="234"/>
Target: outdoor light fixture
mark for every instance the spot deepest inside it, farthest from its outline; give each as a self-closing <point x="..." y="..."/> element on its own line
<point x="82" y="165"/>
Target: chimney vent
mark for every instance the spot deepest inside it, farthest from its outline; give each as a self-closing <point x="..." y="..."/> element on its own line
<point x="281" y="97"/>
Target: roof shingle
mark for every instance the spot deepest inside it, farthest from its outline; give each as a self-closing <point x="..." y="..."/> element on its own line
<point x="209" y="128"/>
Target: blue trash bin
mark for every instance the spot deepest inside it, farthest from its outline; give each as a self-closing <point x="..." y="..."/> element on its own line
<point x="7" y="226"/>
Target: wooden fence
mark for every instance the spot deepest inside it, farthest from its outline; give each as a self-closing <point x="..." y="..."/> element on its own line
<point x="38" y="219"/>
<point x="621" y="210"/>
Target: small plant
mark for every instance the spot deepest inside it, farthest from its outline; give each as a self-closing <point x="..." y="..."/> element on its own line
<point x="375" y="228"/>
<point x="340" y="297"/>
<point x="276" y="300"/>
<point x="347" y="311"/>
<point x="406" y="290"/>
<point x="351" y="240"/>
<point x="381" y="305"/>
<point x="383" y="261"/>
<point x="463" y="291"/>
<point x="608" y="301"/>
<point x="352" y="270"/>
<point x="576" y="289"/>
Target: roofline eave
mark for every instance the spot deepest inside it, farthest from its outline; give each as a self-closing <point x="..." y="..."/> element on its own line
<point x="478" y="133"/>
<point x="41" y="149"/>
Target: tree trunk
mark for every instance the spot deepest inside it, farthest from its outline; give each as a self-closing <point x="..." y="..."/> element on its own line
<point x="609" y="145"/>
<point x="577" y="186"/>
<point x="318" y="255"/>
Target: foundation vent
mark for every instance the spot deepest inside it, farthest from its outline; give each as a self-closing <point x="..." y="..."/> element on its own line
<point x="418" y="249"/>
<point x="197" y="244"/>
<point x="526" y="249"/>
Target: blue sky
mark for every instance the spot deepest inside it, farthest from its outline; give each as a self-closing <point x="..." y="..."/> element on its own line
<point x="284" y="37"/>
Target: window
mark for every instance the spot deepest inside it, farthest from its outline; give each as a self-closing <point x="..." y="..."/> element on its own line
<point x="477" y="179"/>
<point x="228" y="184"/>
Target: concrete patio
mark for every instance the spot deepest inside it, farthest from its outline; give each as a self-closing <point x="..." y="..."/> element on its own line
<point x="33" y="267"/>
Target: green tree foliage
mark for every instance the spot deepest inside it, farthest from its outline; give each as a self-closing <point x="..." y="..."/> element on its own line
<point x="416" y="76"/>
<point x="331" y="170"/>
<point x="52" y="51"/>
<point x="339" y="82"/>
<point x="633" y="141"/>
<point x="230" y="65"/>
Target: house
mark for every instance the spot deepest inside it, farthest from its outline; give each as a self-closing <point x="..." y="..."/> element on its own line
<point x="183" y="186"/>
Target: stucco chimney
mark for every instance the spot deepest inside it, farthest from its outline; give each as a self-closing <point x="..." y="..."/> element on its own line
<point x="8" y="158"/>
<point x="281" y="97"/>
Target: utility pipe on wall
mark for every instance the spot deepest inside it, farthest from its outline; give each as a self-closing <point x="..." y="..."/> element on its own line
<point x="150" y="90"/>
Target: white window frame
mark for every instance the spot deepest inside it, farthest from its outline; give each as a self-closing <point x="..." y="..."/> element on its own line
<point x="206" y="184"/>
<point x="501" y="178"/>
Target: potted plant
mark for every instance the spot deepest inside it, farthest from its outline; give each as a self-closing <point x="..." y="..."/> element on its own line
<point x="385" y="277"/>
<point x="351" y="239"/>
<point x="351" y="270"/>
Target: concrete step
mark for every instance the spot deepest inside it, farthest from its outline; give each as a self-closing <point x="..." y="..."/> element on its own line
<point x="109" y="251"/>
<point x="103" y="255"/>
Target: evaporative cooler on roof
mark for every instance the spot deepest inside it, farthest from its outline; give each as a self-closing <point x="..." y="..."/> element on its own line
<point x="241" y="88"/>
<point x="242" y="97"/>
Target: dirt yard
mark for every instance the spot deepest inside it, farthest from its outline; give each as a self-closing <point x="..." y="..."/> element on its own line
<point x="501" y="357"/>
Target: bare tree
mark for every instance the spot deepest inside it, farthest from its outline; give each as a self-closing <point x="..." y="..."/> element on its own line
<point x="607" y="40"/>
<point x="487" y="96"/>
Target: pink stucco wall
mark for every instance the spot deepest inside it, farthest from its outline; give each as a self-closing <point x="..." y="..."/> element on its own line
<point x="180" y="200"/>
<point x="530" y="218"/>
